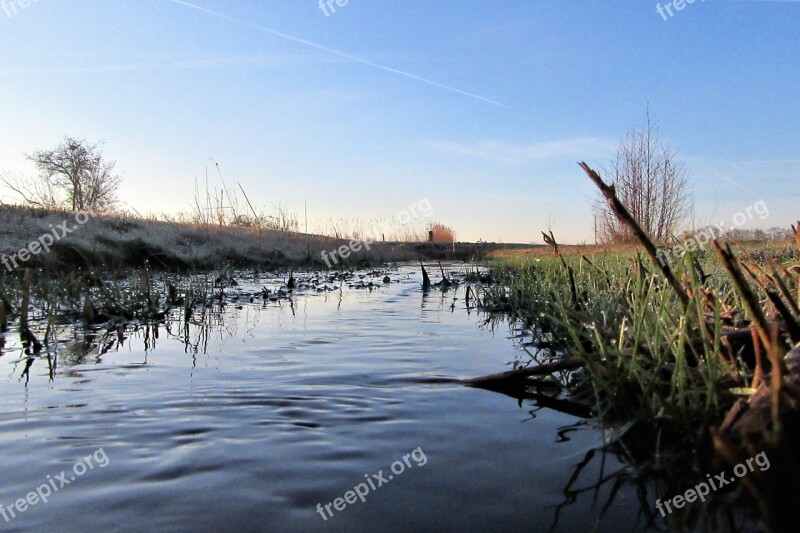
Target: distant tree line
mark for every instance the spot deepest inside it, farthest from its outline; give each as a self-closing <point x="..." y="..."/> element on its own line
<point x="777" y="234"/>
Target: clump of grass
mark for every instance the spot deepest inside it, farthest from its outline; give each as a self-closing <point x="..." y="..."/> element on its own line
<point x="667" y="349"/>
<point x="639" y="348"/>
<point x="651" y="366"/>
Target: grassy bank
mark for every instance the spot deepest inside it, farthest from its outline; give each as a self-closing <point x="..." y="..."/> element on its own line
<point x="671" y="370"/>
<point x="117" y="241"/>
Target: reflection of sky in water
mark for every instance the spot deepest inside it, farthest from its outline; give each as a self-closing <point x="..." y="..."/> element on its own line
<point x="248" y="419"/>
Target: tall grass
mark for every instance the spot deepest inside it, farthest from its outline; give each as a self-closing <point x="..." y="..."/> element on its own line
<point x="645" y="356"/>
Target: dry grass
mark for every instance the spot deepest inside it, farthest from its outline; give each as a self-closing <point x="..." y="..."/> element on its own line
<point x="116" y="240"/>
<point x="566" y="249"/>
<point x="442" y="233"/>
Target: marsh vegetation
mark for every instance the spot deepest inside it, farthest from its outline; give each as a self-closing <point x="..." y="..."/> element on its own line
<point x="694" y="362"/>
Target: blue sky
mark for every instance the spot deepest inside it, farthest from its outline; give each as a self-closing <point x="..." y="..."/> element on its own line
<point x="482" y="107"/>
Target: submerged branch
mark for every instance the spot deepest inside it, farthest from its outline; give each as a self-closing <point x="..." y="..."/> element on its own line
<point x="545" y="369"/>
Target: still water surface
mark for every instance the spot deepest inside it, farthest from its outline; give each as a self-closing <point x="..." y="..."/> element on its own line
<point x="249" y="418"/>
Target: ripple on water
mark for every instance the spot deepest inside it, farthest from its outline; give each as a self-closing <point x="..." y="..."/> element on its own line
<point x="248" y="425"/>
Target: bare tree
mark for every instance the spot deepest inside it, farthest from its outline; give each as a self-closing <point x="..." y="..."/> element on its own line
<point x="73" y="175"/>
<point x="39" y="193"/>
<point x="652" y="185"/>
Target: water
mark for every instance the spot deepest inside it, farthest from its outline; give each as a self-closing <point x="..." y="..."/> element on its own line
<point x="250" y="419"/>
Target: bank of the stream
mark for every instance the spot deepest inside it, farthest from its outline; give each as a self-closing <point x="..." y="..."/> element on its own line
<point x="64" y="240"/>
<point x="697" y="375"/>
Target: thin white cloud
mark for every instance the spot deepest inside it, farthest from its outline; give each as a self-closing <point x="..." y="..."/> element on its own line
<point x="760" y="171"/>
<point x="579" y="148"/>
<point x="333" y="51"/>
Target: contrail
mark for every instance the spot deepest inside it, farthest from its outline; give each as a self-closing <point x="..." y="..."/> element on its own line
<point x="334" y="51"/>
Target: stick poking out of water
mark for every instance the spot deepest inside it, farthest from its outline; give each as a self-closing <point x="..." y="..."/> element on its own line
<point x="426" y="281"/>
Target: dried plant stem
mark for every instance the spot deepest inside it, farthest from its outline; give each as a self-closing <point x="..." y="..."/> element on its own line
<point x="625" y="217"/>
<point x="749" y="299"/>
<point x="551" y="240"/>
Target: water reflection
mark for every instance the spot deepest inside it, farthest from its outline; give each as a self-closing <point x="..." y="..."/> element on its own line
<point x="278" y="402"/>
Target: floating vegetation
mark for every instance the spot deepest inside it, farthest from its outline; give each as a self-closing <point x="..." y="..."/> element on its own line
<point x="36" y="302"/>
